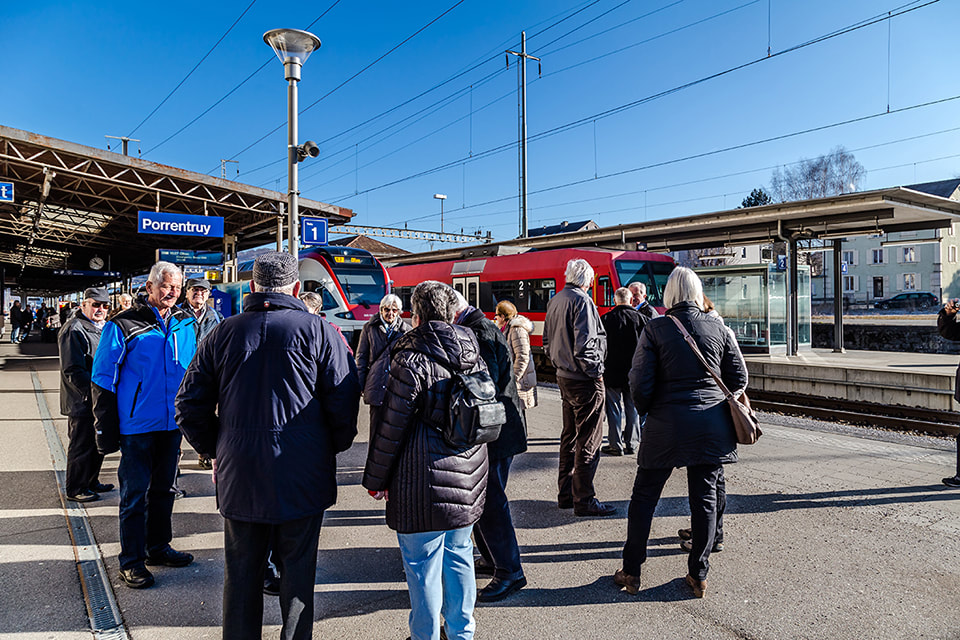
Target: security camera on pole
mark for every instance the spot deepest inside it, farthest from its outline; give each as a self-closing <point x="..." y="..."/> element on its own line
<point x="293" y="47"/>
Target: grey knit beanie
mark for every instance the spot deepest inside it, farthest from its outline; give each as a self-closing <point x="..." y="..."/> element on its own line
<point x="275" y="269"/>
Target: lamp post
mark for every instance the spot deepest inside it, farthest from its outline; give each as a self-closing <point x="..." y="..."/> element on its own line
<point x="293" y="47"/>
<point x="441" y="198"/>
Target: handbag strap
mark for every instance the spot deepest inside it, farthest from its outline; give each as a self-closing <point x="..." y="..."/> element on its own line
<point x="696" y="350"/>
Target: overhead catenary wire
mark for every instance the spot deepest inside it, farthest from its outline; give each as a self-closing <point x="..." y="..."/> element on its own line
<point x="195" y="67"/>
<point x="903" y="9"/>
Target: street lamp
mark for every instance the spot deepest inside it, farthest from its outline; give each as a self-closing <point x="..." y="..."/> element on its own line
<point x="441" y="198"/>
<point x="293" y="47"/>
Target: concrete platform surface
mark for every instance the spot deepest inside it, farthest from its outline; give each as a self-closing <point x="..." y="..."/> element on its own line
<point x="829" y="534"/>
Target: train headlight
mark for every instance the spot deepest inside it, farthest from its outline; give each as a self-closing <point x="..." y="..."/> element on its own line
<point x="346" y="315"/>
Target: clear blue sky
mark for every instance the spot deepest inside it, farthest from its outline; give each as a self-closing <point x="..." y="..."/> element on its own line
<point x="81" y="70"/>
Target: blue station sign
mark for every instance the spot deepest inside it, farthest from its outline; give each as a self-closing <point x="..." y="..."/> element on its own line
<point x="313" y="231"/>
<point x="179" y="224"/>
<point x="186" y="256"/>
<point x="6" y="192"/>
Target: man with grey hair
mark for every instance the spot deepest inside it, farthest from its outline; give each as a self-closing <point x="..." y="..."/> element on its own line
<point x="640" y="302"/>
<point x="272" y="397"/>
<point x="137" y="369"/>
<point x="576" y="342"/>
<point x="623" y="325"/>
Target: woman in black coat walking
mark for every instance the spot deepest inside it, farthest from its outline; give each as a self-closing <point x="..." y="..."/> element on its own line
<point x="373" y="352"/>
<point x="688" y="423"/>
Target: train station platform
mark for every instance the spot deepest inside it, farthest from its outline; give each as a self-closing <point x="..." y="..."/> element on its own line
<point x="831" y="532"/>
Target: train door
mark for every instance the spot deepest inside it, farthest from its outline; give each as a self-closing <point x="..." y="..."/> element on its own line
<point x="469" y="288"/>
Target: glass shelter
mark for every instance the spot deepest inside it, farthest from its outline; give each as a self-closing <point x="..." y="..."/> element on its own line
<point x="752" y="301"/>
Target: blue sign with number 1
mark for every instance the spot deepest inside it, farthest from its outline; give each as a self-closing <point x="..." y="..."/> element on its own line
<point x="313" y="230"/>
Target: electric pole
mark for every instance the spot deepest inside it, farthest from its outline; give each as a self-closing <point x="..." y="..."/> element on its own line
<point x="223" y="167"/>
<point x="522" y="54"/>
<point x="124" y="142"/>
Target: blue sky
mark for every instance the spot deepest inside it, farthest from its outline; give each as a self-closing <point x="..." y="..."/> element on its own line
<point x="81" y="70"/>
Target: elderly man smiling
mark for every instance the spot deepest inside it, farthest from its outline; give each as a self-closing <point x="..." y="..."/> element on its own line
<point x="139" y="365"/>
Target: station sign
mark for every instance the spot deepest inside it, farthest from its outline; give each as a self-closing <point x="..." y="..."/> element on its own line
<point x="6" y="192"/>
<point x="179" y="224"/>
<point x="88" y="274"/>
<point x="843" y="267"/>
<point x="313" y="231"/>
<point x="186" y="256"/>
<point x="781" y="262"/>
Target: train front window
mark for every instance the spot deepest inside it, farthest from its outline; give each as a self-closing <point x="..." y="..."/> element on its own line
<point x="362" y="285"/>
<point x="652" y="274"/>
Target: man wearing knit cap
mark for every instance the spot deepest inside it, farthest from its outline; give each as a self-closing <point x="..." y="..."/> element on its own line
<point x="272" y="396"/>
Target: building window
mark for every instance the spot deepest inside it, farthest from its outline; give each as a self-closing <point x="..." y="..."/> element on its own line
<point x="849" y="284"/>
<point x="878" y="256"/>
<point x="909" y="254"/>
<point x="847" y="256"/>
<point x="909" y="282"/>
<point x="952" y="253"/>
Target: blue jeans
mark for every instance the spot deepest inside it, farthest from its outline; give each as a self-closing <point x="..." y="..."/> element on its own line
<point x="494" y="532"/>
<point x="623" y="421"/>
<point x="440" y="578"/>
<point x="15" y="334"/>
<point x="148" y="467"/>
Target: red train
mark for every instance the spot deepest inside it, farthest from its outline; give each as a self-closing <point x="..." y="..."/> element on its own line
<point x="531" y="278"/>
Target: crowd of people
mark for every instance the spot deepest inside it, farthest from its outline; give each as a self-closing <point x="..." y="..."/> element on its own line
<point x="270" y="396"/>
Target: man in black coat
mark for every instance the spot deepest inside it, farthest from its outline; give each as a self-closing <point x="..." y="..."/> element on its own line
<point x="623" y="324"/>
<point x="16" y="318"/>
<point x="494" y="532"/>
<point x="640" y="302"/>
<point x="288" y="397"/>
<point x="78" y="340"/>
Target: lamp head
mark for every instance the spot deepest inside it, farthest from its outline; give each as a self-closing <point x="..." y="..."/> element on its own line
<point x="292" y="44"/>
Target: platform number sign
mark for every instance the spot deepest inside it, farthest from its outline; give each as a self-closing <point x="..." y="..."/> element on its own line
<point x="6" y="192"/>
<point x="313" y="231"/>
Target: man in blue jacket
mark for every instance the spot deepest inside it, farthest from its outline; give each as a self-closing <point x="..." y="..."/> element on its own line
<point x="137" y="370"/>
<point x="271" y="397"/>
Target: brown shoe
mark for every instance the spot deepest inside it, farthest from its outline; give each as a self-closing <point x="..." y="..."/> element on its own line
<point x="699" y="586"/>
<point x="630" y="583"/>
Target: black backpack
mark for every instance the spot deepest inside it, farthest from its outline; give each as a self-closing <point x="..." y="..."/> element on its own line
<point x="475" y="415"/>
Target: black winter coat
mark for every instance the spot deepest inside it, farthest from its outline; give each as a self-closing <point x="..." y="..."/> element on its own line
<point x="949" y="328"/>
<point x="371" y="369"/>
<point x="288" y="397"/>
<point x="688" y="421"/>
<point x="432" y="487"/>
<point x="496" y="354"/>
<point x="623" y="324"/>
<point x="78" y="340"/>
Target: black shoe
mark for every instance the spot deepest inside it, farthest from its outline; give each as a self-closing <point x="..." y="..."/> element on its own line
<point x="482" y="568"/>
<point x="84" y="496"/>
<point x="499" y="589"/>
<point x="443" y="634"/>
<point x="170" y="558"/>
<point x="685" y="534"/>
<point x="595" y="509"/>
<point x="611" y="450"/>
<point x="204" y="463"/>
<point x="271" y="585"/>
<point x="952" y="482"/>
<point x="628" y="451"/>
<point x="137" y="577"/>
<point x="178" y="493"/>
<point x="101" y="487"/>
<point x="565" y="504"/>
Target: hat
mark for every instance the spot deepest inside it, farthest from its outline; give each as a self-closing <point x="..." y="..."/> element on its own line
<point x="197" y="282"/>
<point x="275" y="269"/>
<point x="96" y="294"/>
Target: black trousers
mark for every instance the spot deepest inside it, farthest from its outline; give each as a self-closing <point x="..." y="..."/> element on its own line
<point x="245" y="549"/>
<point x="580" y="439"/>
<point x="702" y="490"/>
<point x="83" y="460"/>
<point x="494" y="533"/>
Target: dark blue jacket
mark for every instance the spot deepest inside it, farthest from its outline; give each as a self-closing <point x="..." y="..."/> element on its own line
<point x="288" y="397"/>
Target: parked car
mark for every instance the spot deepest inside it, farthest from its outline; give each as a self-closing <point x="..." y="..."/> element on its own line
<point x="909" y="301"/>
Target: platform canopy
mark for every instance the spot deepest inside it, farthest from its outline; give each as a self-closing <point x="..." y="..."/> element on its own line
<point x="850" y="215"/>
<point x="73" y="203"/>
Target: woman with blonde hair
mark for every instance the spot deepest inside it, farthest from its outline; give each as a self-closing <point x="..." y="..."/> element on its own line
<point x="517" y="329"/>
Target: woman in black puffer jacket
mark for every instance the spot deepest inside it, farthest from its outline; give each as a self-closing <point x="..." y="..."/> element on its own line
<point x="434" y="493"/>
<point x="688" y="422"/>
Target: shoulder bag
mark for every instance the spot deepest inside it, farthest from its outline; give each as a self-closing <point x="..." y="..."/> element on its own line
<point x="745" y="421"/>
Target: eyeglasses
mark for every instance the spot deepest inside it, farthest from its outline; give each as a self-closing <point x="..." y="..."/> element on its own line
<point x="199" y="290"/>
<point x="389" y="310"/>
<point x="100" y="305"/>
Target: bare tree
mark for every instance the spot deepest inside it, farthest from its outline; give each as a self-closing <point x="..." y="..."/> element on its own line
<point x="827" y="175"/>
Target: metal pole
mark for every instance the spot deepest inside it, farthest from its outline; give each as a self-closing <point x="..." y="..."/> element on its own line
<point x="837" y="297"/>
<point x="293" y="233"/>
<point x="441" y="215"/>
<point x="793" y="299"/>
<point x="280" y="228"/>
<point x="523" y="134"/>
